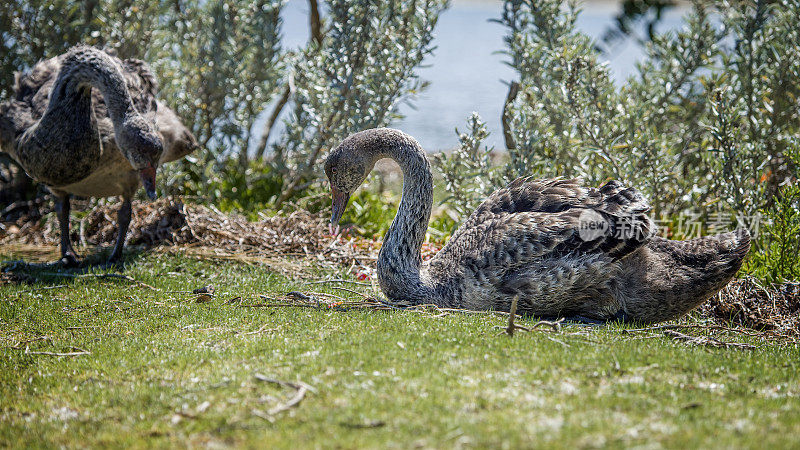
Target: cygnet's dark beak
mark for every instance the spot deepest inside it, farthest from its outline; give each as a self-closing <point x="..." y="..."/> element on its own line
<point x="339" y="203"/>
<point x="148" y="176"/>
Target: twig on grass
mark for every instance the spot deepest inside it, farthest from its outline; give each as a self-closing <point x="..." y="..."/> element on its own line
<point x="673" y="326"/>
<point x="18" y="345"/>
<point x="300" y="388"/>
<point x="554" y="324"/>
<point x="77" y="352"/>
<point x="263" y="329"/>
<point x="44" y="288"/>
<point x="512" y="314"/>
<point x="101" y="276"/>
<point x="557" y="341"/>
<point x="707" y="341"/>
<point x="299" y="295"/>
<point x="237" y="299"/>
<point x="326" y="294"/>
<point x="337" y="281"/>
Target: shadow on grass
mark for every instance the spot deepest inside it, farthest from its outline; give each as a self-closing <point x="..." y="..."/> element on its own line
<point x="19" y="271"/>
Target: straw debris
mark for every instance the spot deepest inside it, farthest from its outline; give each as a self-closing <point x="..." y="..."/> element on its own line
<point x="172" y="222"/>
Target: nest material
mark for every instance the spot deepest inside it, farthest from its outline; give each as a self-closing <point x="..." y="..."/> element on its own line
<point x="171" y="222"/>
<point x="743" y="303"/>
<point x="746" y="303"/>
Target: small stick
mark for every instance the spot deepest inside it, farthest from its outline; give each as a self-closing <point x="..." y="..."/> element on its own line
<point x="232" y="300"/>
<point x="690" y="326"/>
<point x="555" y="325"/>
<point x="260" y="330"/>
<point x="511" y="315"/>
<point x="325" y="294"/>
<point x="300" y="387"/>
<point x="707" y="341"/>
<point x="101" y="275"/>
<point x="18" y="345"/>
<point x="78" y="353"/>
<point x="337" y="281"/>
<point x="349" y="290"/>
<point x="557" y="341"/>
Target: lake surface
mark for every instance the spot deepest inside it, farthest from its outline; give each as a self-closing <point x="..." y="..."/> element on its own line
<point x="467" y="73"/>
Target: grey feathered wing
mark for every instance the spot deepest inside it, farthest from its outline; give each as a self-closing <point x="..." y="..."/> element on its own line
<point x="531" y="218"/>
<point x="526" y="239"/>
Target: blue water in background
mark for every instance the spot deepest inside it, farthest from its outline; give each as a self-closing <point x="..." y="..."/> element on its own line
<point x="467" y="71"/>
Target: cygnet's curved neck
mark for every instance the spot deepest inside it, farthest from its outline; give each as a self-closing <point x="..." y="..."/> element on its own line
<point x="399" y="260"/>
<point x="90" y="67"/>
<point x="65" y="146"/>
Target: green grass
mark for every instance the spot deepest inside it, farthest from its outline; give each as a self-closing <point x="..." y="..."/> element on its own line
<point x="166" y="371"/>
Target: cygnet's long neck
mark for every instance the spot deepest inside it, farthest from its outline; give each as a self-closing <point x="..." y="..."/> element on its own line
<point x="89" y="67"/>
<point x="64" y="146"/>
<point x="399" y="260"/>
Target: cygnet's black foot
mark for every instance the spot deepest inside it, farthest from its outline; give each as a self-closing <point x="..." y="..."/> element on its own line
<point x="113" y="263"/>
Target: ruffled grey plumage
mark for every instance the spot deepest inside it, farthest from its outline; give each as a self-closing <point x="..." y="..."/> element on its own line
<point x="530" y="239"/>
<point x="89" y="124"/>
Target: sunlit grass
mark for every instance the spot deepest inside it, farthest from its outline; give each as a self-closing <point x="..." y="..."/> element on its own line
<point x="165" y="370"/>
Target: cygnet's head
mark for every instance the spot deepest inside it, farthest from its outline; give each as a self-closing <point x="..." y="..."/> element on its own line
<point x="141" y="144"/>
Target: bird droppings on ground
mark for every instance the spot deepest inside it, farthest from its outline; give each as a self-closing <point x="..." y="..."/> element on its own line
<point x="743" y="304"/>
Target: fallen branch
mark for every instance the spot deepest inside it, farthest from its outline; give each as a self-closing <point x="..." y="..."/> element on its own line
<point x="557" y="341"/>
<point x="554" y="324"/>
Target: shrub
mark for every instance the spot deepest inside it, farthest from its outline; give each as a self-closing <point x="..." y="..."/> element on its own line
<point x="779" y="236"/>
<point x="220" y="63"/>
<point x="467" y="171"/>
<point x="353" y="79"/>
